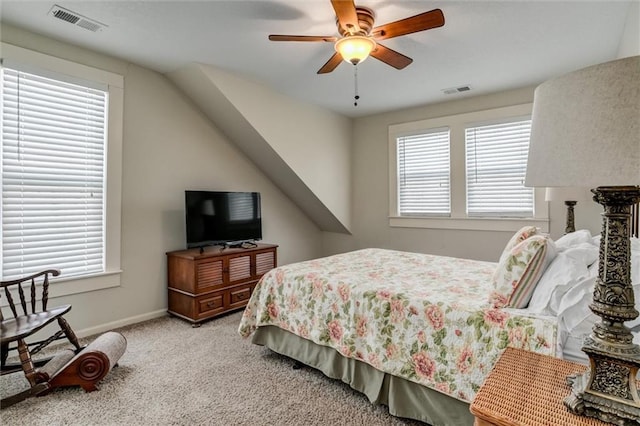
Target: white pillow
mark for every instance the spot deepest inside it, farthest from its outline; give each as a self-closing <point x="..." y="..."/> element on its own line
<point x="573" y="238"/>
<point x="573" y="309"/>
<point x="574" y="303"/>
<point x="561" y="274"/>
<point x="585" y="253"/>
<point x="563" y="296"/>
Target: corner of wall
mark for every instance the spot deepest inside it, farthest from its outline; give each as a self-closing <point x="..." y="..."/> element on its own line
<point x="304" y="150"/>
<point x="630" y="40"/>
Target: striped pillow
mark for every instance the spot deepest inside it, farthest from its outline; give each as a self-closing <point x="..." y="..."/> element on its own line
<point x="521" y="235"/>
<point x="518" y="272"/>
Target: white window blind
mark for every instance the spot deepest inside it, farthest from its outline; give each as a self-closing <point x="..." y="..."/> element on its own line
<point x="496" y="162"/>
<point x="53" y="175"/>
<point x="424" y="174"/>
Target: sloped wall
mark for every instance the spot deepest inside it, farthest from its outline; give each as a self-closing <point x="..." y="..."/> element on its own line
<point x="168" y="146"/>
<point x="630" y="42"/>
<point x="304" y="149"/>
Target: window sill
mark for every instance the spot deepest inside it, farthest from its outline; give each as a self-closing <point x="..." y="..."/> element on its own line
<point x="67" y="287"/>
<point x="469" y="224"/>
<point x="59" y="288"/>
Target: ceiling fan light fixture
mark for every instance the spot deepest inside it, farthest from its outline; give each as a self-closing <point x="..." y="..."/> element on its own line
<point x="355" y="48"/>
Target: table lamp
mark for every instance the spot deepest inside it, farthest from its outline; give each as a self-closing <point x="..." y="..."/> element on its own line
<point x="585" y="132"/>
<point x="570" y="196"/>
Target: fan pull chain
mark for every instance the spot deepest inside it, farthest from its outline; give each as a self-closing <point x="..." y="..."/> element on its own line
<point x="355" y="77"/>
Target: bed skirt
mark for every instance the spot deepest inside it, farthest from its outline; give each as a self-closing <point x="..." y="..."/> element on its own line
<point x="404" y="398"/>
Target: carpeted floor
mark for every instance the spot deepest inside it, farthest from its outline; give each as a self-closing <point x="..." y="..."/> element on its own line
<point x="172" y="374"/>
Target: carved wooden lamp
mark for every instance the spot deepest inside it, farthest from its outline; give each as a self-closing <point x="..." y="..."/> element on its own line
<point x="570" y="196"/>
<point x="586" y="132"/>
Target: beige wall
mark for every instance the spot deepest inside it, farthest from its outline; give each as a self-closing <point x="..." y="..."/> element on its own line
<point x="371" y="190"/>
<point x="370" y="180"/>
<point x="313" y="141"/>
<point x="169" y="146"/>
<point x="630" y="42"/>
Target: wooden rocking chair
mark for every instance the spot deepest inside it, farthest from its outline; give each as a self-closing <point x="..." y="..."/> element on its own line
<point x="26" y="321"/>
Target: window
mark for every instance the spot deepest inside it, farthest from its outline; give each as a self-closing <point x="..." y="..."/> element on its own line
<point x="496" y="160"/>
<point x="53" y="146"/>
<point x="423" y="174"/>
<point x="464" y="172"/>
<point x="61" y="143"/>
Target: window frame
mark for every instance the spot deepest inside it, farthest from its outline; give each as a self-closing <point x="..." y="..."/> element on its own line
<point x="433" y="131"/>
<point x="484" y="124"/>
<point x="50" y="66"/>
<point x="459" y="219"/>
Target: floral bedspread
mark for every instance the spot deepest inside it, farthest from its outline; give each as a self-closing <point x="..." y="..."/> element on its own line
<point x="425" y="318"/>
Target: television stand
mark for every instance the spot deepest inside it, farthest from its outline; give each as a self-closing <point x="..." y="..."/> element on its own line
<point x="204" y="285"/>
<point x="241" y="244"/>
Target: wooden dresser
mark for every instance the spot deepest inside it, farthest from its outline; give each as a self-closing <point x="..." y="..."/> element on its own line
<point x="218" y="280"/>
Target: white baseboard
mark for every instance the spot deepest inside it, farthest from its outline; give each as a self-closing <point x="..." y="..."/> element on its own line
<point x="120" y="323"/>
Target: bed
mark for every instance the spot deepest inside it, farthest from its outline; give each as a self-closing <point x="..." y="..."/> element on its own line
<point x="417" y="332"/>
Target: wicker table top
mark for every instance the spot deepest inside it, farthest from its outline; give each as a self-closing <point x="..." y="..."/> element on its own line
<point x="527" y="389"/>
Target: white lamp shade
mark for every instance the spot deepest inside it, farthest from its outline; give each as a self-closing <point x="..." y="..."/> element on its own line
<point x="568" y="193"/>
<point x="585" y="129"/>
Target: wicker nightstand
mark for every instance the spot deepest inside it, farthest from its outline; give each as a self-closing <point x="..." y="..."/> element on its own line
<point x="527" y="389"/>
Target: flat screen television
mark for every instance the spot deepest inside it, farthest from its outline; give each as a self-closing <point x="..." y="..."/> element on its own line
<point x="222" y="218"/>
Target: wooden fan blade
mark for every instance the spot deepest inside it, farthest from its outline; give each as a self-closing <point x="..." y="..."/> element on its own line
<point x="347" y="16"/>
<point x="424" y="21"/>
<point x="391" y="57"/>
<point x="277" y="37"/>
<point x="331" y="64"/>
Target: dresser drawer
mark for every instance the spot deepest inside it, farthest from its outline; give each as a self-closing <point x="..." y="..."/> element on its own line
<point x="239" y="295"/>
<point x="210" y="304"/>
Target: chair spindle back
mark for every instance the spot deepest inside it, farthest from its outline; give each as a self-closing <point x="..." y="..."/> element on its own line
<point x="25" y="302"/>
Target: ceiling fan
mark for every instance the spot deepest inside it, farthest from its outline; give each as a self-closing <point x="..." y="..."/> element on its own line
<point x="359" y="39"/>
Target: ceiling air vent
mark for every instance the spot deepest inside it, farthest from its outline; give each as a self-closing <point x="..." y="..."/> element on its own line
<point x="460" y="89"/>
<point x="76" y="19"/>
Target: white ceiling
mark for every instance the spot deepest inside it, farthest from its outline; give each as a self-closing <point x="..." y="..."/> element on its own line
<point x="490" y="46"/>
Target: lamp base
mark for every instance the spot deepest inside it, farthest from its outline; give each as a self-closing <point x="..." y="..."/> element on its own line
<point x="618" y="403"/>
<point x="609" y="390"/>
<point x="571" y="223"/>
